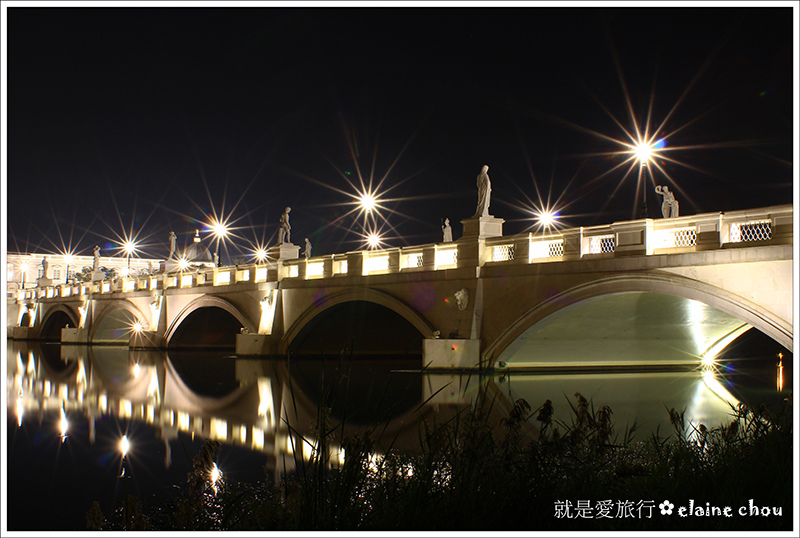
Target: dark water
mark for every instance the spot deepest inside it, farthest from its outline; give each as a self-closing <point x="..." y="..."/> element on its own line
<point x="262" y="409"/>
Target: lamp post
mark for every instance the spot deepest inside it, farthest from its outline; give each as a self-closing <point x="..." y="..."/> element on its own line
<point x="644" y="152"/>
<point x="129" y="247"/>
<point x="23" y="267"/>
<point x="220" y="230"/>
<point x="68" y="259"/>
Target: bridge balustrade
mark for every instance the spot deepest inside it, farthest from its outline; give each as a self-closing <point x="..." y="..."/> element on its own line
<point x="645" y="236"/>
<point x="446" y="257"/>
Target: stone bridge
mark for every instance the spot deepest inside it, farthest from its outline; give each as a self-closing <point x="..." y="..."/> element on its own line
<point x="663" y="291"/>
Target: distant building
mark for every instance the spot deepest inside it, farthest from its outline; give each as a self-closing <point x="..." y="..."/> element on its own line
<point x="197" y="253"/>
<point x="23" y="270"/>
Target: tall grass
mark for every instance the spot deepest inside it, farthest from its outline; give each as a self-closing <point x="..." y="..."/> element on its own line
<point x="472" y="474"/>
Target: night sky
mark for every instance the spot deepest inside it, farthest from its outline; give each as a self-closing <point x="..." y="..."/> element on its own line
<point x="137" y="121"/>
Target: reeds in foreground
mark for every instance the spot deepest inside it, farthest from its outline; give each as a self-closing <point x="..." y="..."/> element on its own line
<point x="469" y="474"/>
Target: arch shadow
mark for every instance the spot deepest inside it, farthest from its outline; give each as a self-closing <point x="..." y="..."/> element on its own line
<point x="208" y="301"/>
<point x="57" y="315"/>
<point x="368" y="295"/>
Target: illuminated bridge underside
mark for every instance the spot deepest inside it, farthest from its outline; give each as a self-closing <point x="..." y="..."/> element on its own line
<point x="625" y="329"/>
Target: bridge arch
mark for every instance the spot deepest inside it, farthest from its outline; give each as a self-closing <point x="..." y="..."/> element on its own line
<point x="55" y="319"/>
<point x="660" y="283"/>
<point x="114" y="323"/>
<point x="208" y="301"/>
<point x="369" y="295"/>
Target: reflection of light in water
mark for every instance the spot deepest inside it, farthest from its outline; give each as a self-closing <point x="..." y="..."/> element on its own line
<point x="63" y="424"/>
<point x="258" y="438"/>
<point x="20" y="408"/>
<point x="710" y="380"/>
<point x="152" y="388"/>
<point x="266" y="407"/>
<point x="215" y="475"/>
<point x="183" y="420"/>
<point x="124" y="445"/>
<point x="220" y="428"/>
<point x="125" y="408"/>
<point x="136" y="370"/>
<point x="780" y="372"/>
<point x="696" y="315"/>
<point x="709" y="398"/>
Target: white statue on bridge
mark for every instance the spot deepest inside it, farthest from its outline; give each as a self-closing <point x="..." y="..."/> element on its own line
<point x="286" y="229"/>
<point x="307" y="250"/>
<point x="173" y="239"/>
<point x="447" y="231"/>
<point x="96" y="265"/>
<point x="669" y="207"/>
<point x="484" y="192"/>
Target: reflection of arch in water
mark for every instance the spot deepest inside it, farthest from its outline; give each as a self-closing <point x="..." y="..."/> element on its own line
<point x="52" y="366"/>
<point x="180" y="395"/>
<point x="208" y="321"/>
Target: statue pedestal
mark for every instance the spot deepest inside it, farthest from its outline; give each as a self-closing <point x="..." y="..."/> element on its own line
<point x="482" y="227"/>
<point x="44" y="282"/>
<point x="98" y="276"/>
<point x="284" y="251"/>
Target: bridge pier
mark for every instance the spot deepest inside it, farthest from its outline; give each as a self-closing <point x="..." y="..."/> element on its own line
<point x="146" y="340"/>
<point x="451" y="353"/>
<point x="256" y="344"/>
<point x="74" y="335"/>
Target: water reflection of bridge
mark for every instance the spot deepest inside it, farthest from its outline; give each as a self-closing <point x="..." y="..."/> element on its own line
<point x="271" y="406"/>
<point x="268" y="406"/>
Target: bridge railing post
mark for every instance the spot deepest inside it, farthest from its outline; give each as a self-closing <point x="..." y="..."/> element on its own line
<point x="633" y="238"/>
<point x="355" y="263"/>
<point x="708" y="230"/>
<point x="429" y="258"/>
<point x="573" y="242"/>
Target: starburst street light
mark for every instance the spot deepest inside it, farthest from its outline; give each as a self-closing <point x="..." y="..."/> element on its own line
<point x="547" y="218"/>
<point x="68" y="259"/>
<point x="261" y="255"/>
<point x="373" y="240"/>
<point x="129" y="246"/>
<point x="368" y="202"/>
<point x="644" y="151"/>
<point x="220" y="230"/>
<point x="23" y="268"/>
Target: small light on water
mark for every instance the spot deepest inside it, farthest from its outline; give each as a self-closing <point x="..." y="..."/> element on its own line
<point x="215" y="475"/>
<point x="20" y="408"/>
<point x="124" y="445"/>
<point x="780" y="372"/>
<point x="63" y="424"/>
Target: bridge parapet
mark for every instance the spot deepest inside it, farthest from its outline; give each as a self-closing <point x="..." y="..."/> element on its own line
<point x="709" y="231"/>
